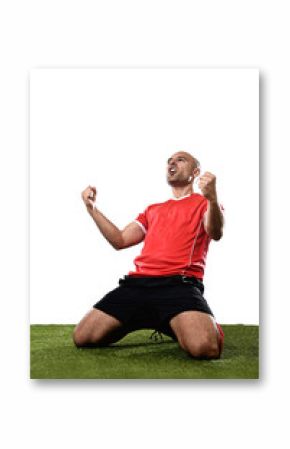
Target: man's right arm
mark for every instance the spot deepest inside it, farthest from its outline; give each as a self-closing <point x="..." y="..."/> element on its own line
<point x="131" y="235"/>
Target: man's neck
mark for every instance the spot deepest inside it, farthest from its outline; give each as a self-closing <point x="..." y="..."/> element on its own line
<point x="179" y="192"/>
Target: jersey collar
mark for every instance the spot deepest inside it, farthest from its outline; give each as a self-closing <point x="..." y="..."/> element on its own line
<point x="181" y="198"/>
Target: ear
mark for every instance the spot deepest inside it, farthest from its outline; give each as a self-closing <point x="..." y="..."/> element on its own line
<point x="196" y="172"/>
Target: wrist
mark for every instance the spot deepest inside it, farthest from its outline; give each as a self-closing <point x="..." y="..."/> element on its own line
<point x="91" y="209"/>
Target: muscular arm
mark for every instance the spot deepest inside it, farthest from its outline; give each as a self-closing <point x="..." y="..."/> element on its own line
<point x="131" y="235"/>
<point x="213" y="219"/>
<point x="119" y="239"/>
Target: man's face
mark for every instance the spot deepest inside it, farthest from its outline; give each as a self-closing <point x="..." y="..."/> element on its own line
<point x="180" y="167"/>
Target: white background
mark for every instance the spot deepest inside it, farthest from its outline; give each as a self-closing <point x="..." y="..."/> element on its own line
<point x="156" y="33"/>
<point x="115" y="129"/>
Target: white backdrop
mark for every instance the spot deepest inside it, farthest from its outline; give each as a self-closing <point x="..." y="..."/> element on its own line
<point x="115" y="129"/>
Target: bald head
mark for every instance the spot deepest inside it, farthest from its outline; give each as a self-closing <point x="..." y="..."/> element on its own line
<point x="182" y="169"/>
<point x="195" y="163"/>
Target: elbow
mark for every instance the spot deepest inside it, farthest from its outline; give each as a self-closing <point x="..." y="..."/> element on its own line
<point x="118" y="244"/>
<point x="217" y="235"/>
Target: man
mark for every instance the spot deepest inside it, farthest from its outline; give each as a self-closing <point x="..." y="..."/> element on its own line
<point x="165" y="290"/>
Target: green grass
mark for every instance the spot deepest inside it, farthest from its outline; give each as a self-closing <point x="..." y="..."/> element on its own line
<point x="54" y="356"/>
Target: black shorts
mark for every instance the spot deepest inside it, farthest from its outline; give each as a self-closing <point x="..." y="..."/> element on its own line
<point x="151" y="302"/>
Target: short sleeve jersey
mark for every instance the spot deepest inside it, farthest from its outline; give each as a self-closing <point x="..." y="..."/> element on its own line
<point x="175" y="238"/>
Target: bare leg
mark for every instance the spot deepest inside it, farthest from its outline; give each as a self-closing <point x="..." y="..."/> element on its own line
<point x="97" y="329"/>
<point x="197" y="334"/>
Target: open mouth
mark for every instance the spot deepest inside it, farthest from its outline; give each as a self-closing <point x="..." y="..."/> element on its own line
<point x="172" y="170"/>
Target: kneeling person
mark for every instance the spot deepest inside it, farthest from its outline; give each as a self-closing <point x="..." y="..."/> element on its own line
<point x="165" y="291"/>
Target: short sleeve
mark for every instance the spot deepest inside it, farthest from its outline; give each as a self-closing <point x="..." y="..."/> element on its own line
<point x="142" y="221"/>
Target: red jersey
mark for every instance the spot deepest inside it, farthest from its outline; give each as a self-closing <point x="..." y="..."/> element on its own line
<point x="175" y="238"/>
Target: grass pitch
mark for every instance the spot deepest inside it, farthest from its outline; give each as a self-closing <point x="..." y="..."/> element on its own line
<point x="54" y="356"/>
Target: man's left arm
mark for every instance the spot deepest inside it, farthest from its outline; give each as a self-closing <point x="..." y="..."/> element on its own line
<point x="213" y="219"/>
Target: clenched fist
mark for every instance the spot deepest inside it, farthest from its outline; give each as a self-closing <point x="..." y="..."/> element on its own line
<point x="89" y="197"/>
<point x="207" y="185"/>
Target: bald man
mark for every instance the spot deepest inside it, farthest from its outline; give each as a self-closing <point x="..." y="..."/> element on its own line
<point x="165" y="291"/>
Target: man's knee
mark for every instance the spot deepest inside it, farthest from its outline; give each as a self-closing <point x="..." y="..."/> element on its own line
<point x="95" y="329"/>
<point x="81" y="338"/>
<point x="78" y="338"/>
<point x="207" y="348"/>
<point x="85" y="340"/>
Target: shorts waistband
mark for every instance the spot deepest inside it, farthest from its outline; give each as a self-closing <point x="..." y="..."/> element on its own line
<point x="155" y="281"/>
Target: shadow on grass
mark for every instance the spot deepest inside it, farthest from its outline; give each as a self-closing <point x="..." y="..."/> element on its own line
<point x="140" y="345"/>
